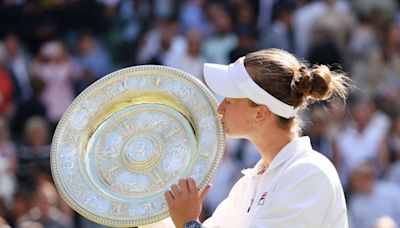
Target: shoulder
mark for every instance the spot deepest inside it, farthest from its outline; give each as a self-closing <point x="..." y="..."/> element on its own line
<point x="311" y="166"/>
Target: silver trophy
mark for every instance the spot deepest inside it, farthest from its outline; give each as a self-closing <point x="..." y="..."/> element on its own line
<point x="128" y="137"/>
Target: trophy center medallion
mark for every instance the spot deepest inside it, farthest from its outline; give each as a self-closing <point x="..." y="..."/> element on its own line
<point x="140" y="149"/>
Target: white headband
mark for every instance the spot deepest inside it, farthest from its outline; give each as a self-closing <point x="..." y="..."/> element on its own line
<point x="233" y="81"/>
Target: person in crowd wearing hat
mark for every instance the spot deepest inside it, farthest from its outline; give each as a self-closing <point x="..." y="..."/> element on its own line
<point x="292" y="185"/>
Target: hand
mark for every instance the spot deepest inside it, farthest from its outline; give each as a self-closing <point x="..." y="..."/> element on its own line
<point x="184" y="201"/>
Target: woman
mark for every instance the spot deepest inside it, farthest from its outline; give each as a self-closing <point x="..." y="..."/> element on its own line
<point x="292" y="185"/>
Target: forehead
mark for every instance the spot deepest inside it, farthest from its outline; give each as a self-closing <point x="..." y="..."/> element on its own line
<point x="239" y="101"/>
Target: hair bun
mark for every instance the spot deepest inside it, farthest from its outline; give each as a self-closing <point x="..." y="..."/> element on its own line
<point x="315" y="82"/>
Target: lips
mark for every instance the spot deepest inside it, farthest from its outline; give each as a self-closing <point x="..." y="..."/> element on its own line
<point x="223" y="125"/>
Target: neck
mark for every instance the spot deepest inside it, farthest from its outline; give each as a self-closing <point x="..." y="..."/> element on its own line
<point x="270" y="141"/>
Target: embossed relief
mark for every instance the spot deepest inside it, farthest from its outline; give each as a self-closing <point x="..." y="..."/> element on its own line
<point x="96" y="203"/>
<point x="120" y="209"/>
<point x="79" y="120"/>
<point x="138" y="151"/>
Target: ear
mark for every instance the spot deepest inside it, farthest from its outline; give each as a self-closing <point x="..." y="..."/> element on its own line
<point x="262" y="113"/>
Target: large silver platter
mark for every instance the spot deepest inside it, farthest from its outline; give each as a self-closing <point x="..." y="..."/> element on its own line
<point x="131" y="135"/>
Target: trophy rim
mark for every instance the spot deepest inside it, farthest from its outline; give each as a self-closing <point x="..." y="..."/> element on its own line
<point x="207" y="94"/>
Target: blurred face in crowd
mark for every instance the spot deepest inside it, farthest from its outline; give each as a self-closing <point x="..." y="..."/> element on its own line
<point x="319" y="120"/>
<point x="45" y="198"/>
<point x="362" y="179"/>
<point x="393" y="37"/>
<point x="52" y="52"/>
<point x="194" y="42"/>
<point x="361" y="113"/>
<point x="246" y="15"/>
<point x="220" y="18"/>
<point x="168" y="29"/>
<point x="20" y="207"/>
<point x="85" y="44"/>
<point x="36" y="132"/>
<point x="12" y="45"/>
<point x="362" y="183"/>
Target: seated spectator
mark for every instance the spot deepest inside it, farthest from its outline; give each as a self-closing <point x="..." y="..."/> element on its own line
<point x="362" y="138"/>
<point x="29" y="108"/>
<point x="44" y="209"/>
<point x="93" y="60"/>
<point x="17" y="63"/>
<point x="36" y="149"/>
<point x="371" y="199"/>
<point x="22" y="202"/>
<point x="54" y="66"/>
<point x="163" y="44"/>
<point x="192" y="61"/>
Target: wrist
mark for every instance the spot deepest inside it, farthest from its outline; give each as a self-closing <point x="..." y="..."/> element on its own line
<point x="193" y="224"/>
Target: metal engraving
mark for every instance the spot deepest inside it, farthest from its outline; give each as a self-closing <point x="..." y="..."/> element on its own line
<point x="131" y="135"/>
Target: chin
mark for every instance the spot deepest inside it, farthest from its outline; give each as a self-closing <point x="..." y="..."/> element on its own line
<point x="233" y="135"/>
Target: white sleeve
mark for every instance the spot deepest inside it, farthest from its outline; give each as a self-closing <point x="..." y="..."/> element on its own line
<point x="222" y="214"/>
<point x="306" y="198"/>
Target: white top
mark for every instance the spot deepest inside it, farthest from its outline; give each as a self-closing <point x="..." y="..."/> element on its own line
<point x="355" y="147"/>
<point x="300" y="188"/>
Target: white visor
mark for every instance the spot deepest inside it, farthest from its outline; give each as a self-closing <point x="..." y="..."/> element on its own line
<point x="233" y="81"/>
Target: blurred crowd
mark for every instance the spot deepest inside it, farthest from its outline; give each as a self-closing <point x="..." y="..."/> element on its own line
<point x="51" y="50"/>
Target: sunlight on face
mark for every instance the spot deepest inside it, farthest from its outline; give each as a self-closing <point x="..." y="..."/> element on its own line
<point x="236" y="116"/>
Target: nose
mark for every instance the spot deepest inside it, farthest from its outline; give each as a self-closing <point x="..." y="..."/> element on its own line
<point x="221" y="107"/>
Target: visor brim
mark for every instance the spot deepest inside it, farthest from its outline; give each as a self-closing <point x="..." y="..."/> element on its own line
<point x="219" y="80"/>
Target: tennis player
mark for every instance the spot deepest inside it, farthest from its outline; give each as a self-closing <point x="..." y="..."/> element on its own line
<point x="292" y="185"/>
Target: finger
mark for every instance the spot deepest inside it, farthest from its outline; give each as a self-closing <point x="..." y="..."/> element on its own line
<point x="175" y="191"/>
<point x="192" y="185"/>
<point x="184" y="186"/>
<point x="169" y="198"/>
<point x="205" y="192"/>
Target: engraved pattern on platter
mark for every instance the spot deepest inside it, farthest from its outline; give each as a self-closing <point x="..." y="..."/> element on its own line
<point x="79" y="119"/>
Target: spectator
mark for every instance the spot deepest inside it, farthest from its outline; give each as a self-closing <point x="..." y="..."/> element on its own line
<point x="93" y="60"/>
<point x="371" y="199"/>
<point x="36" y="151"/>
<point x="17" y="63"/>
<point x="362" y="143"/>
<point x="222" y="41"/>
<point x="44" y="210"/>
<point x="54" y="66"/>
<point x="192" y="62"/>
<point x="307" y="15"/>
<point x="32" y="107"/>
<point x="193" y="17"/>
<point x="163" y="45"/>
<point x="280" y="33"/>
